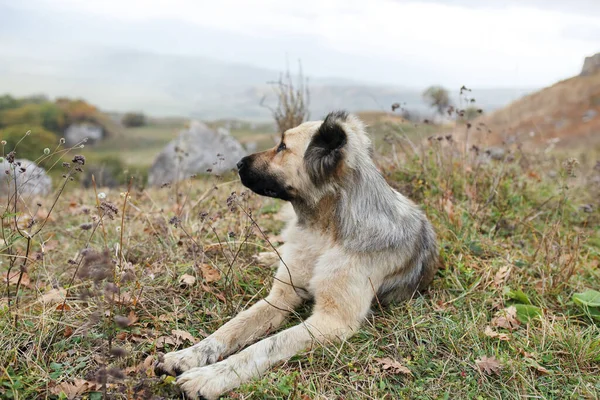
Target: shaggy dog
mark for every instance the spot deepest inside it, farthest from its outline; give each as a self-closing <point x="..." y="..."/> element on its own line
<point x="352" y="240"/>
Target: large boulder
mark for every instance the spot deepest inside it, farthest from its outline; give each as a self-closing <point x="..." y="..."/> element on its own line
<point x="32" y="180"/>
<point x="591" y="65"/>
<point x="79" y="132"/>
<point x="196" y="150"/>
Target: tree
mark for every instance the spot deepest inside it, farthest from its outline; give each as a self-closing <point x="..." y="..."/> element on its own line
<point x="133" y="119"/>
<point x="438" y="98"/>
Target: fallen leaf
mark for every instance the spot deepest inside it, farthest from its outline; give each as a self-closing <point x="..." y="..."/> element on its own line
<point x="132" y="318"/>
<point x="493" y="334"/>
<point x="183" y="336"/>
<point x="209" y="273"/>
<point x="164" y="317"/>
<point x="218" y="295"/>
<point x="164" y="340"/>
<point x="535" y="365"/>
<point x="506" y="319"/>
<point x="502" y="275"/>
<point x="449" y="208"/>
<point x="14" y="278"/>
<point x="75" y="389"/>
<point x="387" y="364"/>
<point x="54" y="296"/>
<point x="187" y="280"/>
<point x="489" y="365"/>
<point x="63" y="307"/>
<point x="68" y="332"/>
<point x="121" y="335"/>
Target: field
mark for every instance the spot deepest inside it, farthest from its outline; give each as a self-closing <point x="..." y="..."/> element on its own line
<point x="112" y="277"/>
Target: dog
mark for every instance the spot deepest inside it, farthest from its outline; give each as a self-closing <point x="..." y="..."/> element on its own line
<point x="351" y="243"/>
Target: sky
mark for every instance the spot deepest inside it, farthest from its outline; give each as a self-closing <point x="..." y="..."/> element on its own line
<point x="491" y="44"/>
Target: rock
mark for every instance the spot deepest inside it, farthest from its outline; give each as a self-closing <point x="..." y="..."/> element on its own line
<point x="496" y="153"/>
<point x="196" y="150"/>
<point x="34" y="181"/>
<point x="77" y="133"/>
<point x="589" y="115"/>
<point x="591" y="65"/>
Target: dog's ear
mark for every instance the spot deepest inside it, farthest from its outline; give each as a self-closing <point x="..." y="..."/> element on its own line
<point x="325" y="151"/>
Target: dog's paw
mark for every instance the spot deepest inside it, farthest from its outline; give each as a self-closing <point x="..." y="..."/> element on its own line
<point x="208" y="382"/>
<point x="204" y="353"/>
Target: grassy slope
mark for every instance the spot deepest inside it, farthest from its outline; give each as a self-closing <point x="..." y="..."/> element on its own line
<point x="501" y="227"/>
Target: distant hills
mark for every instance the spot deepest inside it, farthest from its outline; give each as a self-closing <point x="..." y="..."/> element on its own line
<point x="158" y="84"/>
<point x="567" y="113"/>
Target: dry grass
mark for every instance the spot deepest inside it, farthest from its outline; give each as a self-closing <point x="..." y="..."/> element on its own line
<point x="116" y="276"/>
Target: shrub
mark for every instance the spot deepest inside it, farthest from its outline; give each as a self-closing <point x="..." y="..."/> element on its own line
<point x="132" y="120"/>
<point x="438" y="98"/>
<point x="47" y="115"/>
<point x="7" y="102"/>
<point x="31" y="146"/>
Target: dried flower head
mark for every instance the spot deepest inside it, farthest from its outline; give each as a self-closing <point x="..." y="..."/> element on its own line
<point x="79" y="159"/>
<point x="10" y="157"/>
<point x="109" y="209"/>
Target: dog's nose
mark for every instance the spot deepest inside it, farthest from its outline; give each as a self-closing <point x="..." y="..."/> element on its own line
<point x="241" y="164"/>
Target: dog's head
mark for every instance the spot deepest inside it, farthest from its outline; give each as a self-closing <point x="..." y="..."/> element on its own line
<point x="309" y="158"/>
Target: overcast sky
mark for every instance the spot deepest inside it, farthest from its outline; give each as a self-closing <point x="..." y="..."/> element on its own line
<point x="509" y="43"/>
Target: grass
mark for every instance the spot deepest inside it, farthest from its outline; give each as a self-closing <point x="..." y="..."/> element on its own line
<point x="180" y="263"/>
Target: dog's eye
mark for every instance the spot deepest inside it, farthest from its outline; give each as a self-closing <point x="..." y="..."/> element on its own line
<point x="281" y="147"/>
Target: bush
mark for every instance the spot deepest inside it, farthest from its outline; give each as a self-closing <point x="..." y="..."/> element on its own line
<point x="30" y="147"/>
<point x="47" y="115"/>
<point x="132" y="120"/>
<point x="7" y="102"/>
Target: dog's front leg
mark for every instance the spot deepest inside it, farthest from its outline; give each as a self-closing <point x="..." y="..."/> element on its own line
<point x="340" y="307"/>
<point x="245" y="328"/>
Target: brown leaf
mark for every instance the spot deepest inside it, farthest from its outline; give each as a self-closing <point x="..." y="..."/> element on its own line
<point x="209" y="273"/>
<point x="506" y="319"/>
<point x="217" y="294"/>
<point x="489" y="365"/>
<point x="164" y="340"/>
<point x="493" y="334"/>
<point x="14" y="278"/>
<point x="63" y="307"/>
<point x="502" y="275"/>
<point x="132" y="318"/>
<point x="72" y="390"/>
<point x="54" y="296"/>
<point x="535" y="365"/>
<point x="182" y="336"/>
<point x="187" y="280"/>
<point x="164" y="317"/>
<point x="387" y="364"/>
<point x="449" y="208"/>
<point x="68" y="332"/>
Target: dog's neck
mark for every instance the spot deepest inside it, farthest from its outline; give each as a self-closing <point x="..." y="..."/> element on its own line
<point x="319" y="215"/>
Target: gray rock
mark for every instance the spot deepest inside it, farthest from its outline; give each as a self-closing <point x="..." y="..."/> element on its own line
<point x="34" y="181"/>
<point x="194" y="151"/>
<point x="591" y="65"/>
<point x="589" y="115"/>
<point x="496" y="153"/>
<point x="77" y="133"/>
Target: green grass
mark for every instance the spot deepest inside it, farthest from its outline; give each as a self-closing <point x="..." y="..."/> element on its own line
<point x="510" y="234"/>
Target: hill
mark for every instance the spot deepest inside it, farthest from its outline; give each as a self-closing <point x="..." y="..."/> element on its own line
<point x="191" y="86"/>
<point x="567" y="112"/>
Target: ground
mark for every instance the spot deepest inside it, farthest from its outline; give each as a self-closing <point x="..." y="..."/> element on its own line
<point x="519" y="240"/>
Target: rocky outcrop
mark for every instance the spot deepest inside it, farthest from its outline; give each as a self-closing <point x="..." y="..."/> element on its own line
<point x="196" y="150"/>
<point x="79" y="132"/>
<point x="32" y="180"/>
<point x="591" y="65"/>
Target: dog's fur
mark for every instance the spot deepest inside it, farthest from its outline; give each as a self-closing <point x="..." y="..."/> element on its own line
<point x="351" y="240"/>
